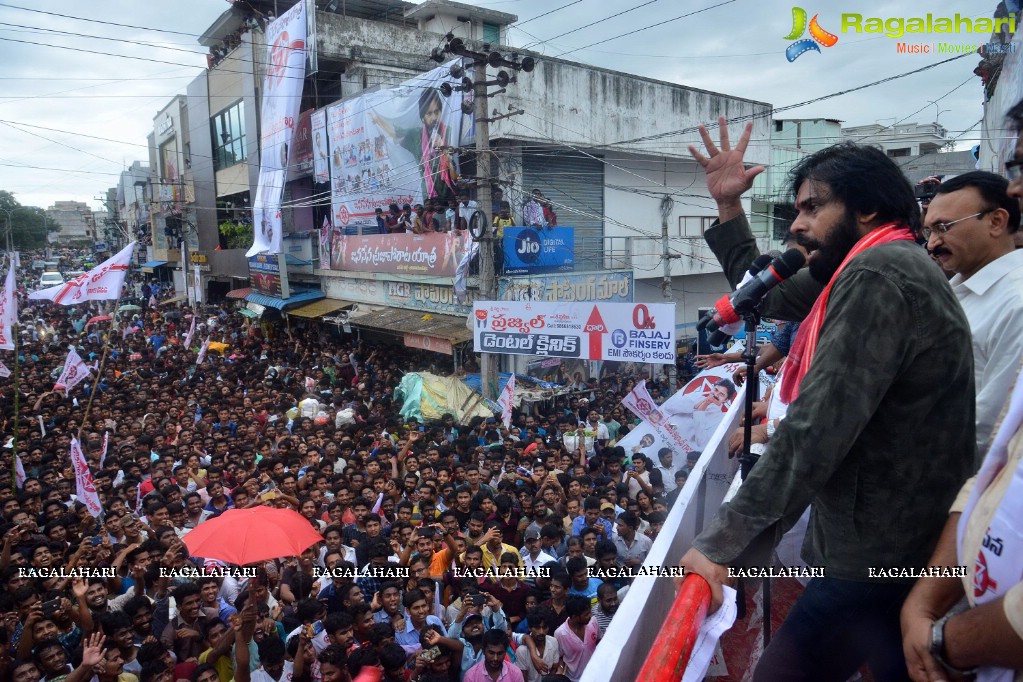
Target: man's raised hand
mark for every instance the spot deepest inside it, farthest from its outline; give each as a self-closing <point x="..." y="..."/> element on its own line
<point x="727" y="176"/>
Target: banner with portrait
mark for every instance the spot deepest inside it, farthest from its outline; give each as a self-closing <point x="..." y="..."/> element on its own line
<point x="395" y="146"/>
<point x="282" y="100"/>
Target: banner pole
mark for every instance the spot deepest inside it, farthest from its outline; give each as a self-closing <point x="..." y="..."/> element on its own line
<point x="102" y="364"/>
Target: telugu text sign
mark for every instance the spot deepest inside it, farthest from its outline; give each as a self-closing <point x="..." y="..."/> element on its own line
<point x="434" y="254"/>
<point x="636" y="332"/>
<point x="613" y="287"/>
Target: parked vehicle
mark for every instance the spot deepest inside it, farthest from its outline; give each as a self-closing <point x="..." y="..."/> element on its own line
<point x="51" y="279"/>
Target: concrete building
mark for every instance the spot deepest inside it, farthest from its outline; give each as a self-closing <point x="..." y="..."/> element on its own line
<point x="901" y="139"/>
<point x="133" y="208"/>
<point x="75" y="219"/>
<point x="604" y="147"/>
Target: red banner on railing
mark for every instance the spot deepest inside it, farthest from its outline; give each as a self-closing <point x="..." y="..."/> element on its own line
<point x="434" y="255"/>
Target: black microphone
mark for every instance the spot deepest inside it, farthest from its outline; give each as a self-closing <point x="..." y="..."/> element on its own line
<point x="730" y="309"/>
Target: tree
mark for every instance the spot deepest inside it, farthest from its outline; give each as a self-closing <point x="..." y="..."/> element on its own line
<point x="29" y="225"/>
<point x="235" y="235"/>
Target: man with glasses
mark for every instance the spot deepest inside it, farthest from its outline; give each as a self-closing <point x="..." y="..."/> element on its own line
<point x="970" y="226"/>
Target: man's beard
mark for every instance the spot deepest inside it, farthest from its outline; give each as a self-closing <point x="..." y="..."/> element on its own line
<point x="832" y="251"/>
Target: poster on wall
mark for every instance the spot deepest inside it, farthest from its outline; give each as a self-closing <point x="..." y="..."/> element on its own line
<point x="395" y="146"/>
<point x="435" y="254"/>
<point x="269" y="275"/>
<point x="616" y="287"/>
<point x="282" y="99"/>
<point x="640" y="332"/>
<point x="529" y="250"/>
<point x="321" y="160"/>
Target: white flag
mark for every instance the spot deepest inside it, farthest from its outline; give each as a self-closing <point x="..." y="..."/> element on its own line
<point x="19" y="472"/>
<point x="103" y="454"/>
<point x="506" y="401"/>
<point x="85" y="487"/>
<point x="102" y="283"/>
<point x="8" y="309"/>
<point x="202" y="352"/>
<point x="4" y="372"/>
<point x="191" y="331"/>
<point x="75" y="370"/>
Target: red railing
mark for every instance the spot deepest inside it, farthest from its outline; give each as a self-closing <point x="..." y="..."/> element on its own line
<point x="673" y="646"/>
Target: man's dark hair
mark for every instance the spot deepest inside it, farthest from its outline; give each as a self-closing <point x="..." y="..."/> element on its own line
<point x="864" y="179"/>
<point x="993" y="190"/>
<point x="496" y="637"/>
<point x="577" y="605"/>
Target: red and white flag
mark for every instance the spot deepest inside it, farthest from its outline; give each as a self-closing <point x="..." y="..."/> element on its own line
<point x="8" y="309"/>
<point x="19" y="472"/>
<point x="191" y="331"/>
<point x="641" y="403"/>
<point x="85" y="488"/>
<point x="202" y="352"/>
<point x="75" y="370"/>
<point x="4" y="372"/>
<point x="102" y="283"/>
<point x="103" y="454"/>
<point x="506" y="401"/>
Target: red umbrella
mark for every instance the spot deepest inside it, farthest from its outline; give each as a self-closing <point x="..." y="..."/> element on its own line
<point x="245" y="536"/>
<point x="98" y="318"/>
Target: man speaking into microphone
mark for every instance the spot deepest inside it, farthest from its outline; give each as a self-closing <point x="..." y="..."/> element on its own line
<point x="879" y="434"/>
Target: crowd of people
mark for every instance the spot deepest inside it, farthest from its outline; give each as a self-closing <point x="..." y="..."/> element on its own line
<point x="308" y="422"/>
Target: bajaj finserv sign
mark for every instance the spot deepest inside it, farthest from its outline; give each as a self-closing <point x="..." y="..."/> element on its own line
<point x="531" y="250"/>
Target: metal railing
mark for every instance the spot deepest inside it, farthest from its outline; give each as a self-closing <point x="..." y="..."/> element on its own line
<point x="644" y="612"/>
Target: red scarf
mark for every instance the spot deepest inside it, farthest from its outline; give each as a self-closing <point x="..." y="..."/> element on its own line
<point x="798" y="362"/>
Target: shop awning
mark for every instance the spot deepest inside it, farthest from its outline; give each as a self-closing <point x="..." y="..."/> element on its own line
<point x="148" y="266"/>
<point x="176" y="299"/>
<point x="239" y="293"/>
<point x="295" y="260"/>
<point x="282" y="303"/>
<point x="320" y="308"/>
<point x="400" y="321"/>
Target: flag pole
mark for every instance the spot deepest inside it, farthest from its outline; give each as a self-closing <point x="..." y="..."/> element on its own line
<point x="102" y="362"/>
<point x="17" y="404"/>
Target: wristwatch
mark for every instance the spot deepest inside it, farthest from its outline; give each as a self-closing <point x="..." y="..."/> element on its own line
<point x="938" y="647"/>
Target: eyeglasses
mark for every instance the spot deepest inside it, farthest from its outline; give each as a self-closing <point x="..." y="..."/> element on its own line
<point x="1014" y="169"/>
<point x="942" y="228"/>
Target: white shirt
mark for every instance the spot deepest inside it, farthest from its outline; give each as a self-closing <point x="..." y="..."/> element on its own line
<point x="667" y="477"/>
<point x="993" y="302"/>
<point x="465" y="210"/>
<point x="531" y="564"/>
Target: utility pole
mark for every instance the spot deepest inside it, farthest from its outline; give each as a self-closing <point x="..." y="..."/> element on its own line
<point x="667" y="204"/>
<point x="489" y="382"/>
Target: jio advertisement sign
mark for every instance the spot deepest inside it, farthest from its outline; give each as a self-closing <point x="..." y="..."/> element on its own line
<point x="533" y="250"/>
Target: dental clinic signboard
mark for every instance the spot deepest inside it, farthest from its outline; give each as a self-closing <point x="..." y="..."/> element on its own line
<point x="533" y="250"/>
<point x="634" y="332"/>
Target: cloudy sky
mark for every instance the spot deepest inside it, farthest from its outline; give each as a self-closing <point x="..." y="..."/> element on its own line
<point x="78" y="92"/>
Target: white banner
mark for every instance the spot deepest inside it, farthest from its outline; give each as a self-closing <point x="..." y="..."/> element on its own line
<point x="321" y="156"/>
<point x="202" y="352"/>
<point x="102" y="283"/>
<point x="8" y="308"/>
<point x="4" y="372"/>
<point x="103" y="455"/>
<point x="85" y="488"/>
<point x="395" y="146"/>
<point x="507" y="401"/>
<point x="19" y="472"/>
<point x="191" y="331"/>
<point x="630" y="332"/>
<point x="685" y="421"/>
<point x="282" y="99"/>
<point x="75" y="370"/>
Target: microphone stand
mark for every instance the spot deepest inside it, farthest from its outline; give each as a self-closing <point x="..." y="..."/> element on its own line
<point x="748" y="459"/>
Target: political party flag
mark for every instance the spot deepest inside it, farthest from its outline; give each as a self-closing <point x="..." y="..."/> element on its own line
<point x="19" y="472"/>
<point x="4" y="372"/>
<point x="379" y="504"/>
<point x="85" y="488"/>
<point x="102" y="283"/>
<point x="202" y="352"/>
<point x="103" y="454"/>
<point x="506" y="401"/>
<point x="191" y="331"/>
<point x="75" y="370"/>
<point x="8" y="309"/>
